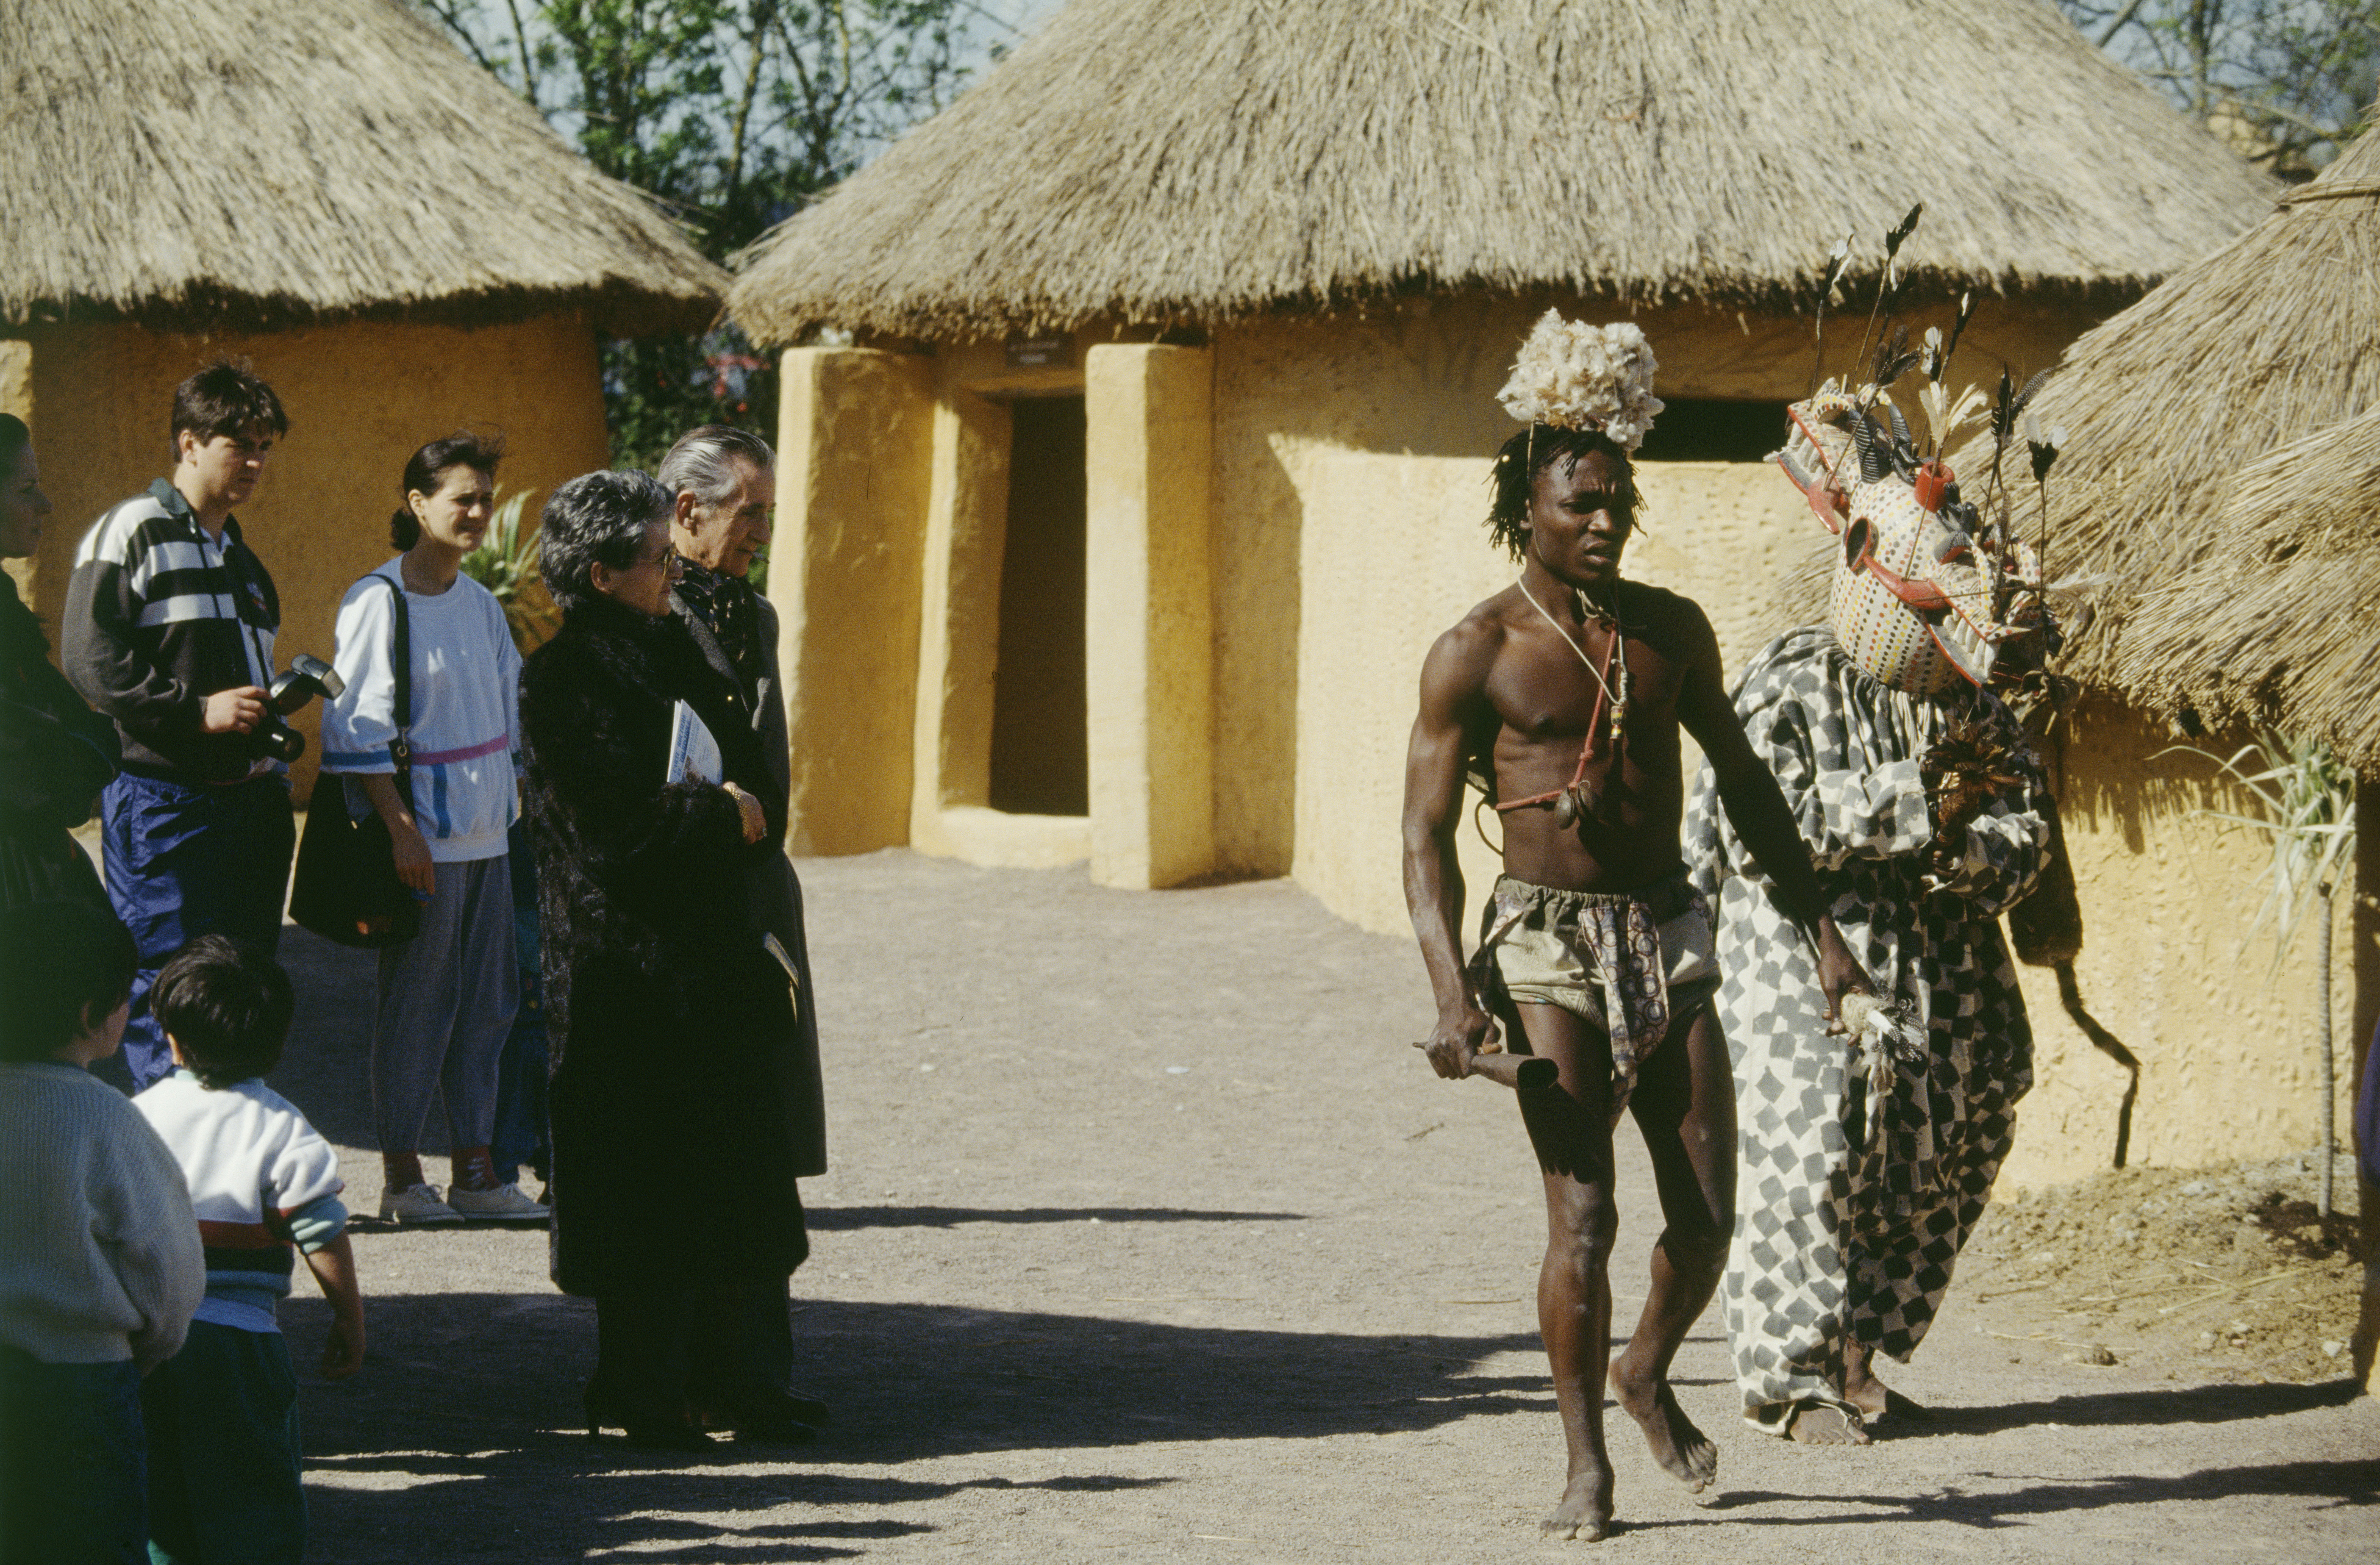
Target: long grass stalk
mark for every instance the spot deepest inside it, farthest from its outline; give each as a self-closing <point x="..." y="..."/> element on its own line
<point x="2306" y="795"/>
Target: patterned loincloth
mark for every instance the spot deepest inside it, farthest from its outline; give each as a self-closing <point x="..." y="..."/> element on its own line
<point x="1622" y="962"/>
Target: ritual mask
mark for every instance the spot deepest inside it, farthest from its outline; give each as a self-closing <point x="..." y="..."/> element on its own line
<point x="1925" y="597"/>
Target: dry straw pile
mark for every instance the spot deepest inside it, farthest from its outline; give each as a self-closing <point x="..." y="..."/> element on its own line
<point x="1193" y="160"/>
<point x="260" y="164"/>
<point x="2281" y="620"/>
<point x="2225" y="571"/>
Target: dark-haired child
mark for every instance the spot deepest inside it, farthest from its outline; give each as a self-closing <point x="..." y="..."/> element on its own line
<point x="168" y="629"/>
<point x="99" y="1255"/>
<point x="222" y="1415"/>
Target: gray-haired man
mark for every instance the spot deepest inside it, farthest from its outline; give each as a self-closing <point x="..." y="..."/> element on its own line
<point x="725" y="481"/>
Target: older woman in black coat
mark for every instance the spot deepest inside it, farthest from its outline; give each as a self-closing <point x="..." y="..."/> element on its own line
<point x="56" y="754"/>
<point x="674" y="1190"/>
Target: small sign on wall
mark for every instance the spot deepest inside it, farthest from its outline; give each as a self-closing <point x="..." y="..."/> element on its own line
<point x="1035" y="353"/>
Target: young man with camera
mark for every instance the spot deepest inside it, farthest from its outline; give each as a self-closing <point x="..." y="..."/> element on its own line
<point x="168" y="629"/>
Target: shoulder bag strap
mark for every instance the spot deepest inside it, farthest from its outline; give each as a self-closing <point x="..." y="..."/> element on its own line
<point x="400" y="748"/>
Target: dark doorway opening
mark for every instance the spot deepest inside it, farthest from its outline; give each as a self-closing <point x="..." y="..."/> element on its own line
<point x="1041" y="756"/>
<point x="1709" y="429"/>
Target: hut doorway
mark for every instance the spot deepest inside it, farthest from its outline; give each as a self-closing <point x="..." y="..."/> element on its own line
<point x="1040" y="761"/>
<point x="1712" y="429"/>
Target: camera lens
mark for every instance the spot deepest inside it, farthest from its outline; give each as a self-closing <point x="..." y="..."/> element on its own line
<point x="281" y="741"/>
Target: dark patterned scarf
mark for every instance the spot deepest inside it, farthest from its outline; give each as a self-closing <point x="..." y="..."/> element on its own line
<point x="730" y="608"/>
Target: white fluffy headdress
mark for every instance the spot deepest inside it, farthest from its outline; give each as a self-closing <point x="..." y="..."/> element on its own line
<point x="1584" y="377"/>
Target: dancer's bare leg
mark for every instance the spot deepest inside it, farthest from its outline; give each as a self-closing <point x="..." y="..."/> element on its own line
<point x="1570" y="1126"/>
<point x="1684" y="1104"/>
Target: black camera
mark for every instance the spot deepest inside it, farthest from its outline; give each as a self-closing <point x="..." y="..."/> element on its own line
<point x="307" y="677"/>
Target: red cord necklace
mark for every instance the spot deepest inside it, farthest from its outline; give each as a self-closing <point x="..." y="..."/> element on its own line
<point x="1573" y="801"/>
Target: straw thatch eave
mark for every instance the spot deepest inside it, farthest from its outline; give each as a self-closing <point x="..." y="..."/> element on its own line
<point x="2280" y="623"/>
<point x="1169" y="162"/>
<point x="254" y="165"/>
<point x="2257" y="345"/>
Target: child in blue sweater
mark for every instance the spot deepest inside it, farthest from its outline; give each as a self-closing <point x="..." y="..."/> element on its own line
<point x="222" y="1416"/>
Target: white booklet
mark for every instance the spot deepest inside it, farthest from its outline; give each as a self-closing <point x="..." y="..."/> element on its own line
<point x="776" y="948"/>
<point x="693" y="752"/>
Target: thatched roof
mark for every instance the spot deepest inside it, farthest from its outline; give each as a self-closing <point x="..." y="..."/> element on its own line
<point x="1176" y="161"/>
<point x="2281" y="620"/>
<point x="243" y="164"/>
<point x="2264" y="343"/>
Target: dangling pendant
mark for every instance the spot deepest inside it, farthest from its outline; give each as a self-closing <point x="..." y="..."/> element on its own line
<point x="1566" y="809"/>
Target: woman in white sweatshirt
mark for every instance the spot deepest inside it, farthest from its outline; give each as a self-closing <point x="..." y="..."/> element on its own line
<point x="446" y="996"/>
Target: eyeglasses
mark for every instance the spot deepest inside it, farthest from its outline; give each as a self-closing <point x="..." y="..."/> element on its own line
<point x="667" y="560"/>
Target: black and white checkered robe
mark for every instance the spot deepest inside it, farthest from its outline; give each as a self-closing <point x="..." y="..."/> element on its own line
<point x="1836" y="1240"/>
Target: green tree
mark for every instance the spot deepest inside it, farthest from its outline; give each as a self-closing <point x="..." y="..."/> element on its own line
<point x="2287" y="81"/>
<point x="732" y="114"/>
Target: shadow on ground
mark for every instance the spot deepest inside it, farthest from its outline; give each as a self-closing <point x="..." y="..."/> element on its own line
<point x="835" y="1219"/>
<point x="326" y="1069"/>
<point x="2180" y="1405"/>
<point x="437" y="1408"/>
<point x="2344" y="1484"/>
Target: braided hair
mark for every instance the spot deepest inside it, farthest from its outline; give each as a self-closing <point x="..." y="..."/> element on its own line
<point x="1526" y="455"/>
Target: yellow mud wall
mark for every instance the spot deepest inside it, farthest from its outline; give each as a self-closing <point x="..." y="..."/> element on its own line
<point x="855" y="432"/>
<point x="1417" y="380"/>
<point x="2365" y="920"/>
<point x="2171" y="965"/>
<point x="1150" y="627"/>
<point x="2174" y="965"/>
<point x="1360" y="651"/>
<point x="361" y="397"/>
<point x="1351" y="494"/>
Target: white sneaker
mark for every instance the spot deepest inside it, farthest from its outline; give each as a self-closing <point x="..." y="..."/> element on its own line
<point x="416" y="1205"/>
<point x="504" y="1201"/>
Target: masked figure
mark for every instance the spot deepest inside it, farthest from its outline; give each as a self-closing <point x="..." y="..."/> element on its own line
<point x="1867" y="1158"/>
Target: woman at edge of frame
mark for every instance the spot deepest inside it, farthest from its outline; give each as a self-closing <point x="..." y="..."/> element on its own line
<point x="55" y="753"/>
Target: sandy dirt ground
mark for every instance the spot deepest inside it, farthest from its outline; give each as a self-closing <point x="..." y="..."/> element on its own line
<point x="1149" y="1239"/>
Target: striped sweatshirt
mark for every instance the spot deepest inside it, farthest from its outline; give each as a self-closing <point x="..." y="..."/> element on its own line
<point x="263" y="1183"/>
<point x="160" y="615"/>
<point x="465" y="692"/>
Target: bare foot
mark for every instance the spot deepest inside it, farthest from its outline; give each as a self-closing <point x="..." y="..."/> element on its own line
<point x="1684" y="1452"/>
<point x="1815" y="1424"/>
<point x="1584" y="1512"/>
<point x="1873" y="1397"/>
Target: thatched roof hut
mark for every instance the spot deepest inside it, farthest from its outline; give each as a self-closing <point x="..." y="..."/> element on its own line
<point x="2281" y="621"/>
<point x="1160" y="458"/>
<point x="333" y="192"/>
<point x="1146" y="160"/>
<point x="257" y="164"/>
<point x="2261" y="344"/>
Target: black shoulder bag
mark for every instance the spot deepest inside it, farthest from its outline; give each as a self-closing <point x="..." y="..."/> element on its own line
<point x="345" y="889"/>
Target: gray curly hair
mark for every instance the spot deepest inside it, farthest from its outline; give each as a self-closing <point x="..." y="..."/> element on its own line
<point x="596" y="519"/>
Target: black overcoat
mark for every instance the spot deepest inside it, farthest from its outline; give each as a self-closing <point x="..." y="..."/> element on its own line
<point x="673" y="1167"/>
<point x="55" y="755"/>
<point x="775" y="890"/>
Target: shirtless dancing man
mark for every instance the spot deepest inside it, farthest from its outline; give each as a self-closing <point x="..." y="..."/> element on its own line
<point x="1595" y="954"/>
